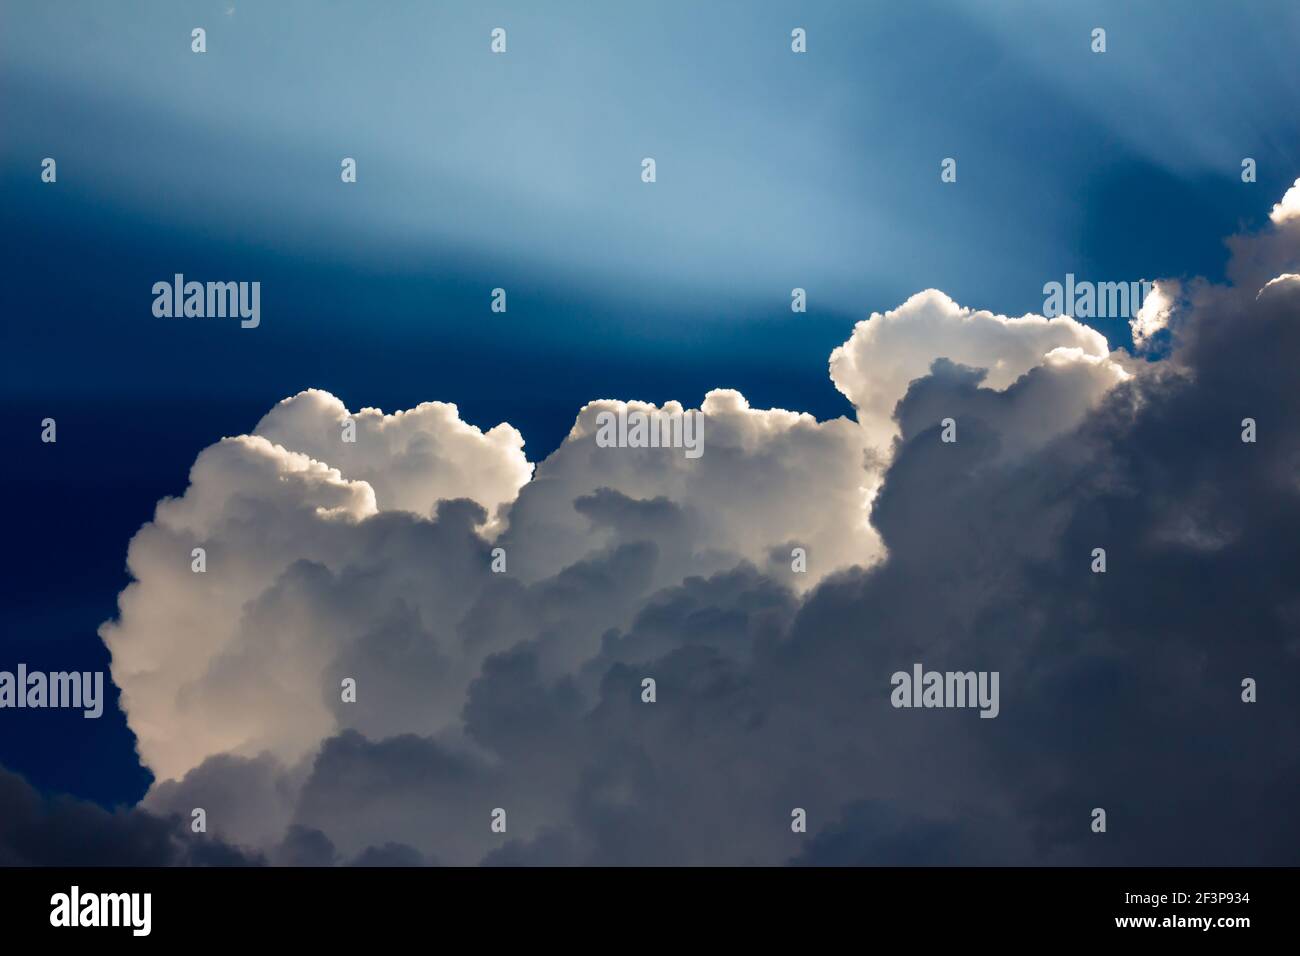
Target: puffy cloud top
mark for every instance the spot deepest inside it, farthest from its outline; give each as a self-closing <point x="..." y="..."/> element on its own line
<point x="412" y="459"/>
<point x="890" y="350"/>
<point x="1289" y="208"/>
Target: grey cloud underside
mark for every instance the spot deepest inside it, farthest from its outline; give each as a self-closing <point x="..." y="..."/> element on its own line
<point x="523" y="691"/>
<point x="39" y="830"/>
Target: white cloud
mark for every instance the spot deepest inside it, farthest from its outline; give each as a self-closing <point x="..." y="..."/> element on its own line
<point x="1153" y="316"/>
<point x="318" y="571"/>
<point x="412" y="458"/>
<point x="254" y="508"/>
<point x="889" y="350"/>
<point x="767" y="478"/>
<point x="1289" y="208"/>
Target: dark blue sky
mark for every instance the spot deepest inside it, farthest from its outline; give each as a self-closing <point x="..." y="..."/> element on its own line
<point x="522" y="171"/>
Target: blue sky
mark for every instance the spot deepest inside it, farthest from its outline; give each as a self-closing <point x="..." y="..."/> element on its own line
<point x="522" y="171"/>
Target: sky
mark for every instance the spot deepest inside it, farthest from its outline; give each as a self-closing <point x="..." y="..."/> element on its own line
<point x="522" y="171"/>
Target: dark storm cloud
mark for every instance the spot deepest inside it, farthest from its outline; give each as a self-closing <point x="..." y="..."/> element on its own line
<point x="41" y="830"/>
<point x="1119" y="690"/>
<point x="1122" y="690"/>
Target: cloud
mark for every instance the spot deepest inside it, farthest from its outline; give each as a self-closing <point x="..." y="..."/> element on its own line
<point x="1289" y="208"/>
<point x="768" y="479"/>
<point x="181" y="637"/>
<point x="1154" y="314"/>
<point x="1257" y="258"/>
<point x="523" y="690"/>
<point x="38" y="830"/>
<point x="889" y="350"/>
<point x="411" y="459"/>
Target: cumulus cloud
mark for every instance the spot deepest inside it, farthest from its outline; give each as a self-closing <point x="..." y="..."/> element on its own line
<point x="769" y="480"/>
<point x="890" y="350"/>
<point x="181" y="639"/>
<point x="411" y="459"/>
<point x="1289" y="208"/>
<point x="523" y="690"/>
